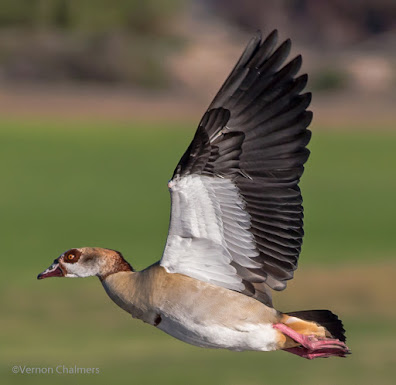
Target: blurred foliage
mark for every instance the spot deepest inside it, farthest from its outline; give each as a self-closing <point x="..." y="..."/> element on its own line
<point x="329" y="79"/>
<point x="87" y="40"/>
<point x="148" y="17"/>
<point x="327" y="22"/>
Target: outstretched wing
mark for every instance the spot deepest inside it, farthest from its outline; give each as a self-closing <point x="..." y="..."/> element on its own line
<point x="237" y="216"/>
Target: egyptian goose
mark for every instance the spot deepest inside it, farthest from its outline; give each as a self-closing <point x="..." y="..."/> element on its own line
<point x="236" y="223"/>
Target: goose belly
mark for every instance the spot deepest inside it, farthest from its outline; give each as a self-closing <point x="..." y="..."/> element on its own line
<point x="247" y="336"/>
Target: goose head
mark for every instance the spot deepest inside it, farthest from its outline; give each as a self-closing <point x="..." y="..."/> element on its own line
<point x="87" y="262"/>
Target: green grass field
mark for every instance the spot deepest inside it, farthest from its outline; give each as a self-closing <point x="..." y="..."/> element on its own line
<point x="72" y="185"/>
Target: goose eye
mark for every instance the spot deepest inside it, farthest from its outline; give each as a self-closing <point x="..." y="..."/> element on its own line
<point x="70" y="257"/>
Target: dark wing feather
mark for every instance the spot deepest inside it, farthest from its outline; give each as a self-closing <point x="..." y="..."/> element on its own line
<point x="255" y="134"/>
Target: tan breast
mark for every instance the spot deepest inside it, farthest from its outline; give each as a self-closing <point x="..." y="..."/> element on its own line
<point x="152" y="292"/>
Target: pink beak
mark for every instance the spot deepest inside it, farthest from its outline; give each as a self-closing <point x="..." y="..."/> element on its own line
<point x="53" y="271"/>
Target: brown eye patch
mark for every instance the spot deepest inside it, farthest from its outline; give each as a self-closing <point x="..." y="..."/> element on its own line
<point x="72" y="256"/>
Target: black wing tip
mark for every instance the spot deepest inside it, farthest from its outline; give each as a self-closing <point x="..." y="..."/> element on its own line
<point x="308" y="117"/>
<point x="304" y="78"/>
<point x="285" y="47"/>
<point x="305" y="100"/>
<point x="298" y="60"/>
<point x="258" y="35"/>
<point x="272" y="39"/>
<point x="255" y="41"/>
<point x="308" y="97"/>
<point x="274" y="34"/>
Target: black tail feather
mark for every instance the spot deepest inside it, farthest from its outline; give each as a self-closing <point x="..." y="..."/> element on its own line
<point x="324" y="318"/>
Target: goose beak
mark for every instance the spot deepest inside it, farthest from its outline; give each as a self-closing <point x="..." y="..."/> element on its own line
<point x="53" y="271"/>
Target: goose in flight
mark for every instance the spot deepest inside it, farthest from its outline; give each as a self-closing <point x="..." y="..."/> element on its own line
<point x="236" y="224"/>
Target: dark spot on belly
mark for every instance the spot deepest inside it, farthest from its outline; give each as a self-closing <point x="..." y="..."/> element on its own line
<point x="157" y="320"/>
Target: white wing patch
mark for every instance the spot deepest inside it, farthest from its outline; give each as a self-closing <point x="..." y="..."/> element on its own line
<point x="209" y="229"/>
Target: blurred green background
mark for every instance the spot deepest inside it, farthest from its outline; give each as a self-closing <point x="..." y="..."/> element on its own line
<point x="86" y="166"/>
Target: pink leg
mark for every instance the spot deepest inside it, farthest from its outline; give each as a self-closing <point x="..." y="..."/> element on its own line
<point x="312" y="347"/>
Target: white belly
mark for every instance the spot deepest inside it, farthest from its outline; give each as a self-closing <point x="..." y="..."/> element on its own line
<point x="262" y="337"/>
